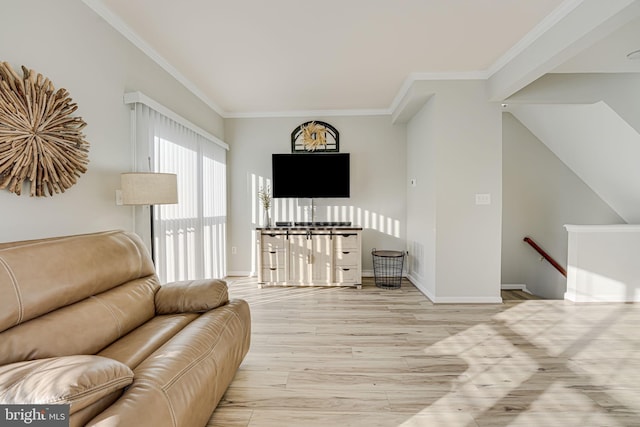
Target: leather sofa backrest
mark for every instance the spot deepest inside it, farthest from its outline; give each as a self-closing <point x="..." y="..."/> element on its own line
<point x="72" y="295"/>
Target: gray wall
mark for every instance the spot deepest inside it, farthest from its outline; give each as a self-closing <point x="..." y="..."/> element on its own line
<point x="67" y="42"/>
<point x="454" y="152"/>
<point x="378" y="192"/>
<point x="540" y="195"/>
<point x="421" y="198"/>
<point x="591" y="122"/>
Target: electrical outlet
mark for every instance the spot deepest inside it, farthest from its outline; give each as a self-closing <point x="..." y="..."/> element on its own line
<point x="119" y="197"/>
<point x="234" y="250"/>
<point x="483" y="199"/>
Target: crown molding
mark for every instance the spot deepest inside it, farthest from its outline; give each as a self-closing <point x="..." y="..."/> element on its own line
<point x="547" y="23"/>
<point x="402" y="92"/>
<point x="415" y="77"/>
<point x="308" y="113"/>
<point x="542" y="27"/>
<point x="118" y="24"/>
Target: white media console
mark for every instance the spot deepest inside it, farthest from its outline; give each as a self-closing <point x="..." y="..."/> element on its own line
<point x="310" y="255"/>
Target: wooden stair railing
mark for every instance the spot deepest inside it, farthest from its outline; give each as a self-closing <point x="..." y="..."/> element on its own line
<point x="546" y="256"/>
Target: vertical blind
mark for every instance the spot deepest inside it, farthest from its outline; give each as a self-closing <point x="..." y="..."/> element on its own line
<point x="189" y="237"/>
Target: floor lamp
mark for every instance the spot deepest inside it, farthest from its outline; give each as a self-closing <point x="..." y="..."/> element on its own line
<point x="148" y="188"/>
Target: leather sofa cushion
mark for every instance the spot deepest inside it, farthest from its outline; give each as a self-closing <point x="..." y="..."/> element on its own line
<point x="41" y="276"/>
<point x="138" y="344"/>
<point x="85" y="327"/>
<point x="182" y="381"/>
<point x="78" y="381"/>
<point x="191" y="296"/>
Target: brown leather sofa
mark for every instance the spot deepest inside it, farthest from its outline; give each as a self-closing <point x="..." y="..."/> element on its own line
<point x="85" y="322"/>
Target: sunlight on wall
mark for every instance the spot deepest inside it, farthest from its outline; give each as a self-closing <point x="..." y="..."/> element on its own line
<point x="603" y="263"/>
<point x="299" y="210"/>
<point x="293" y="210"/>
<point x="593" y="287"/>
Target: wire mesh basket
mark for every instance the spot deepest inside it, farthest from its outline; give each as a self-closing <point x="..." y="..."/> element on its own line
<point x="387" y="268"/>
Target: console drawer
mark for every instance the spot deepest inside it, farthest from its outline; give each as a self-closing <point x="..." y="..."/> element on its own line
<point x="347" y="274"/>
<point x="347" y="240"/>
<point x="273" y="257"/>
<point x="272" y="274"/>
<point x="346" y="256"/>
<point x="273" y="242"/>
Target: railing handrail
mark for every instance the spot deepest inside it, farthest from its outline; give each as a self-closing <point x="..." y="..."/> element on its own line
<point x="546" y="256"/>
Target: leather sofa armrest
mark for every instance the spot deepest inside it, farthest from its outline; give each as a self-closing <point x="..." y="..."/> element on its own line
<point x="77" y="381"/>
<point x="191" y="296"/>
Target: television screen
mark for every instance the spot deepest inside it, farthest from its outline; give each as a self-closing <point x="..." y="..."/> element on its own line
<point x="310" y="175"/>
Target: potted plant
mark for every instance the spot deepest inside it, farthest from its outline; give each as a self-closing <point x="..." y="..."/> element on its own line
<point x="264" y="194"/>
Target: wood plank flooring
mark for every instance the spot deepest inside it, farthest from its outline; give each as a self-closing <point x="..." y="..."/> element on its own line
<point x="344" y="357"/>
<point x="516" y="294"/>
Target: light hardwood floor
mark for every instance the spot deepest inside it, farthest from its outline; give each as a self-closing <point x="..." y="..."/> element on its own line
<point x="344" y="357"/>
<point x="516" y="295"/>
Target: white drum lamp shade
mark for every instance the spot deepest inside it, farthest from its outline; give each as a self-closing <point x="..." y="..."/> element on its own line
<point x="139" y="188"/>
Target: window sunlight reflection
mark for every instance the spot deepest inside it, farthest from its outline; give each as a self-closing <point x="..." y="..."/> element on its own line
<point x="516" y="365"/>
<point x="466" y="365"/>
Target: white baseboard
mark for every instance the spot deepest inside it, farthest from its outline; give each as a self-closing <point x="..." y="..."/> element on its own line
<point x="515" y="287"/>
<point x="365" y="273"/>
<point x="452" y="300"/>
<point x="468" y="300"/>
<point x="241" y="274"/>
<point x="576" y="297"/>
<point x="414" y="280"/>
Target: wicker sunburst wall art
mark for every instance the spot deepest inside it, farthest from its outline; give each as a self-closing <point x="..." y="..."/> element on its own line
<point x="40" y="139"/>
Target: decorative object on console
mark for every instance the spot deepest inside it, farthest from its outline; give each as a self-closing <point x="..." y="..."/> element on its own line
<point x="40" y="139"/>
<point x="315" y="136"/>
<point x="264" y="194"/>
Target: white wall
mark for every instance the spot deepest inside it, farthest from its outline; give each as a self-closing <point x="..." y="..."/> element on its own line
<point x="618" y="90"/>
<point x="540" y="195"/>
<point x="462" y="133"/>
<point x="596" y="144"/>
<point x="67" y="42"/>
<point x="378" y="191"/>
<point x="603" y="263"/>
<point x="421" y="198"/>
<point x="591" y="122"/>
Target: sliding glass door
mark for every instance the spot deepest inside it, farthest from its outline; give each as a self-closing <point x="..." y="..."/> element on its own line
<point x="189" y="238"/>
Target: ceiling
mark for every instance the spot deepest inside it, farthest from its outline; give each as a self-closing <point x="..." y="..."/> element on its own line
<point x="256" y="57"/>
<point x="608" y="55"/>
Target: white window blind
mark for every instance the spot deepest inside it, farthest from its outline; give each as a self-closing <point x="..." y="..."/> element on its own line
<point x="189" y="237"/>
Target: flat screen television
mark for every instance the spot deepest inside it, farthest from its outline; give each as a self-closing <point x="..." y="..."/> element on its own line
<point x="310" y="175"/>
